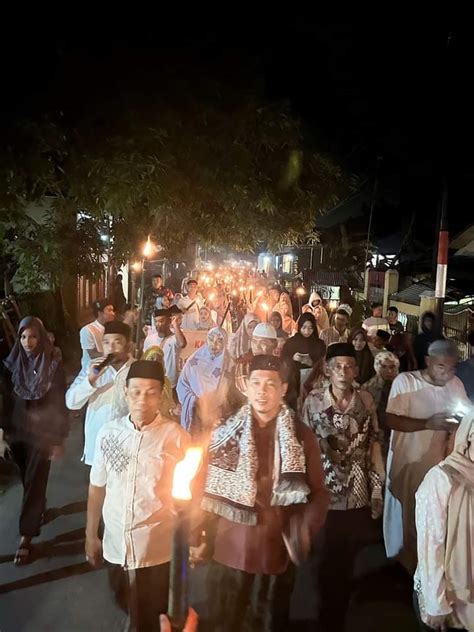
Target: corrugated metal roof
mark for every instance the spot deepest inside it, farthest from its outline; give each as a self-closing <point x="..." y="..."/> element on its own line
<point x="412" y="294"/>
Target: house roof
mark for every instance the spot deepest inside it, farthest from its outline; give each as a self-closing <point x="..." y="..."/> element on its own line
<point x="330" y="278"/>
<point x="413" y="293"/>
<point x="463" y="239"/>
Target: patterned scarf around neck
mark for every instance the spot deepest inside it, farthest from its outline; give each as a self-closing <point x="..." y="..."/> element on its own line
<point x="231" y="485"/>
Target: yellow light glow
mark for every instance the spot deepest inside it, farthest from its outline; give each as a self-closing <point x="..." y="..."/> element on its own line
<point x="137" y="266"/>
<point x="332" y="305"/>
<point x="234" y="292"/>
<point x="184" y="472"/>
<point x="259" y="293"/>
<point x="250" y="287"/>
<point x="265" y="307"/>
<point x="149" y="248"/>
<point x="300" y="291"/>
<point x="242" y="289"/>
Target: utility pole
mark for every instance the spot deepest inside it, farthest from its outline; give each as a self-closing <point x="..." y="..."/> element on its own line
<point x="369" y="229"/>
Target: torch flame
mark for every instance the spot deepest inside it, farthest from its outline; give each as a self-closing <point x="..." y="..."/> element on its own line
<point x="184" y="472"/>
<point x="265" y="307"/>
<point x="148" y="248"/>
<point x="300" y="291"/>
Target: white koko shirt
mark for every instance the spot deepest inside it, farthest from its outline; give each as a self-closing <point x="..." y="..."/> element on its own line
<point x="106" y="400"/>
<point x="136" y="468"/>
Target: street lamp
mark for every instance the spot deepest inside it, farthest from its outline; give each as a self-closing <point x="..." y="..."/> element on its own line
<point x="148" y="249"/>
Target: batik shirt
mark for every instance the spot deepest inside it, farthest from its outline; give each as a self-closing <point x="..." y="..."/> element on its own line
<point x="353" y="470"/>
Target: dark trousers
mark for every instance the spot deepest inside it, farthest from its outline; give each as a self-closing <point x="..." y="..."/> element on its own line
<point x="148" y="596"/>
<point x="34" y="467"/>
<point x="344" y="535"/>
<point x="243" y="602"/>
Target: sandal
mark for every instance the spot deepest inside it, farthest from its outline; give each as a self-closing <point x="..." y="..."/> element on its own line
<point x="22" y="554"/>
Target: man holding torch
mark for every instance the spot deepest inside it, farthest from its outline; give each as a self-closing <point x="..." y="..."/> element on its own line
<point x="264" y="491"/>
<point x="130" y="485"/>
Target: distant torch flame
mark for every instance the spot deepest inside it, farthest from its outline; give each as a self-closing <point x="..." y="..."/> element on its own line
<point x="184" y="472"/>
<point x="148" y="248"/>
<point x="265" y="307"/>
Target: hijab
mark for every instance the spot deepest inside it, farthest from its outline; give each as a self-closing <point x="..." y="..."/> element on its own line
<point x="205" y="321"/>
<point x="459" y="570"/>
<point x="312" y="346"/>
<point x="280" y="332"/>
<point x="33" y="373"/>
<point x="240" y="344"/>
<point x="364" y="358"/>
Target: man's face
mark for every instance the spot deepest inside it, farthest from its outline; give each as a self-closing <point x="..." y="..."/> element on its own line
<point x="157" y="283"/>
<point x="192" y="290"/>
<point x="265" y="391"/>
<point x="377" y="311"/>
<point x="116" y="344"/>
<point x="440" y="369"/>
<point x="162" y="324"/>
<point x="388" y="371"/>
<point x="263" y="346"/>
<point x="143" y="399"/>
<point x="342" y="371"/>
<point x="340" y="322"/>
<point x="108" y="314"/>
<point x="392" y="317"/>
<point x="378" y="343"/>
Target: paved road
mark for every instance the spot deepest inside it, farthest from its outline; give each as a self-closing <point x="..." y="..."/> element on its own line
<point x="58" y="592"/>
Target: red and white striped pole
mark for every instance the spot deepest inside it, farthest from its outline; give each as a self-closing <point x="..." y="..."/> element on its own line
<point x="442" y="263"/>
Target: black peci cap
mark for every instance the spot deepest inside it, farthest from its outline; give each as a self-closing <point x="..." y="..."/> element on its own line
<point x="118" y="327"/>
<point x="340" y="349"/>
<point x="147" y="369"/>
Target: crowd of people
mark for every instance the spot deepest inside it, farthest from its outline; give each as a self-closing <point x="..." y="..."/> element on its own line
<point x="321" y="435"/>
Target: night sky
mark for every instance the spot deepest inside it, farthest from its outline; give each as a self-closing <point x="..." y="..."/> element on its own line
<point x="362" y="90"/>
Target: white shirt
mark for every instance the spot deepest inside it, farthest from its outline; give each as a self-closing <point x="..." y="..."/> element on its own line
<point x="170" y="347"/>
<point x="372" y="325"/>
<point x="91" y="337"/>
<point x="412" y="454"/>
<point x="136" y="468"/>
<point x="190" y="314"/>
<point x="432" y="500"/>
<point x="106" y="400"/>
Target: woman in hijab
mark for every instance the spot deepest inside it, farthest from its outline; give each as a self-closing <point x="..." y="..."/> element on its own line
<point x="444" y="578"/>
<point x="205" y="319"/>
<point x="35" y="420"/>
<point x="364" y="356"/>
<point x="300" y="353"/>
<point x="202" y="375"/>
<point x="424" y="339"/>
<point x="276" y="321"/>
